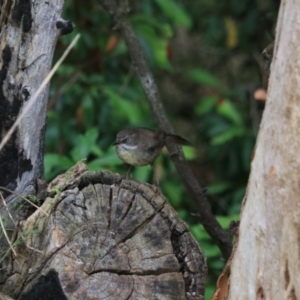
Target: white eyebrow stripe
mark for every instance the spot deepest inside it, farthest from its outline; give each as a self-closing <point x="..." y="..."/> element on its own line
<point x="128" y="147"/>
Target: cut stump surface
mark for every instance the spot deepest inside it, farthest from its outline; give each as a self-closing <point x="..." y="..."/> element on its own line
<point x="106" y="238"/>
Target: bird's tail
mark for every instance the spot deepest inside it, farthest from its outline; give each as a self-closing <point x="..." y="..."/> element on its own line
<point x="176" y="139"/>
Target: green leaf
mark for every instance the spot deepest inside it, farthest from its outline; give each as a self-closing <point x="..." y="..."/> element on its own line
<point x="52" y="160"/>
<point x="247" y="150"/>
<point x="212" y="251"/>
<point x="55" y="164"/>
<point x="227" y="110"/>
<point x="88" y="111"/>
<point x="218" y="187"/>
<point x="158" y="45"/>
<point x="96" y="150"/>
<point x="189" y="152"/>
<point x="199" y="232"/>
<point x="175" y="12"/>
<point x="84" y="144"/>
<point x="109" y="159"/>
<point x="217" y="125"/>
<point x="217" y="264"/>
<point x="227" y="135"/>
<point x="183" y="214"/>
<point x="122" y="107"/>
<point x="205" y="78"/>
<point x="174" y="193"/>
<point x="206" y="104"/>
<point x="143" y="18"/>
<point x="209" y="291"/>
<point x="143" y="174"/>
<point x="225" y="220"/>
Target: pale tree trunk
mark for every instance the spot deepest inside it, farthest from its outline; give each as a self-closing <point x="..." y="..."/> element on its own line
<point x="266" y="264"/>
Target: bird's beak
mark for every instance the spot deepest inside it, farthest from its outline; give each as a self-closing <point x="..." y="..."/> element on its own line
<point x="116" y="143"/>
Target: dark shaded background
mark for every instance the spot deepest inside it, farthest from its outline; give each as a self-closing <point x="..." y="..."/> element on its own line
<point x="206" y="57"/>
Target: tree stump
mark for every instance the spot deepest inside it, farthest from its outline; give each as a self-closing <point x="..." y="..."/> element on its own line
<point x="105" y="238"/>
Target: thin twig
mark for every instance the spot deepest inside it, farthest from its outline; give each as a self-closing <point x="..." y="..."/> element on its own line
<point x="197" y="193"/>
<point x="37" y="93"/>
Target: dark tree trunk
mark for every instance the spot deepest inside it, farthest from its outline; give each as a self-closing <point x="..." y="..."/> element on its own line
<point x="28" y="35"/>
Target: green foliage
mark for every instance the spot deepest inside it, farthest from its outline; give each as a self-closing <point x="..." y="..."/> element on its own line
<point x="202" y="54"/>
<point x="204" y="77"/>
<point x="175" y="13"/>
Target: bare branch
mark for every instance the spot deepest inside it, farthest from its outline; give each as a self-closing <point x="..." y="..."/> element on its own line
<point x="197" y="193"/>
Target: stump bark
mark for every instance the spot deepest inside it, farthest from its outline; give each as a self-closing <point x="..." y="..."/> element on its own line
<point x="105" y="238"/>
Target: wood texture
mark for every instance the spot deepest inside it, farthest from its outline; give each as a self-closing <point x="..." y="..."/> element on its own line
<point x="106" y="238"/>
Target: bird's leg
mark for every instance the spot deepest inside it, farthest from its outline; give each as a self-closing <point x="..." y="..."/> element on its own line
<point x="128" y="174"/>
<point x="155" y="176"/>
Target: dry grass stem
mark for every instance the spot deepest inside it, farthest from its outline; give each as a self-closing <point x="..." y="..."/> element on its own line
<point x="5" y="233"/>
<point x="25" y="199"/>
<point x="16" y="227"/>
<point x="37" y="93"/>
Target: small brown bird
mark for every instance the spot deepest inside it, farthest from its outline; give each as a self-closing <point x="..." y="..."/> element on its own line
<point x="141" y="146"/>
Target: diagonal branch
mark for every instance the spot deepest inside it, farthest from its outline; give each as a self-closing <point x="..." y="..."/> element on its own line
<point x="197" y="193"/>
